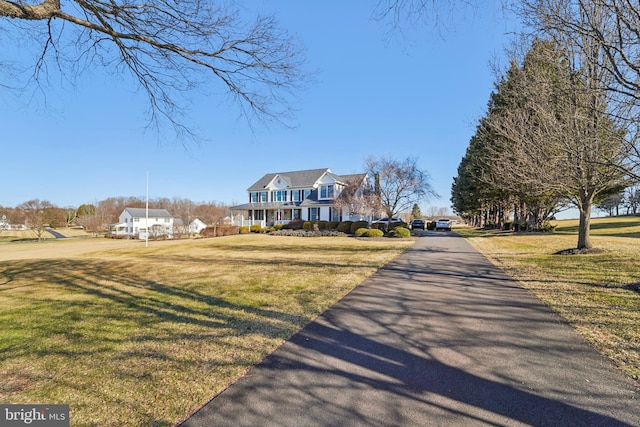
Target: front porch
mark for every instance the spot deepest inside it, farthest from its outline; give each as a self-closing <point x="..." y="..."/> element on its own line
<point x="268" y="215"/>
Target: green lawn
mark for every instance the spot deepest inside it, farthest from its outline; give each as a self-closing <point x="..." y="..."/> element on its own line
<point x="598" y="293"/>
<point x="135" y="336"/>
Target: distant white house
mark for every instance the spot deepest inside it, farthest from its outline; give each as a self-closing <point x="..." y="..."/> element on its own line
<point x="196" y="226"/>
<point x="137" y="222"/>
<point x="6" y="225"/>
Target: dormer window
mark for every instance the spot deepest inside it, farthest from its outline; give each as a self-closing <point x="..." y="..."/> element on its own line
<point x="326" y="191"/>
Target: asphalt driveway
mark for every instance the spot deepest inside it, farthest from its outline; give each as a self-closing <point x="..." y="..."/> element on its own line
<point x="437" y="337"/>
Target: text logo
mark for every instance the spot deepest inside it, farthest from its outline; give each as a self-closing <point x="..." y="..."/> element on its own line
<point x="34" y="415"/>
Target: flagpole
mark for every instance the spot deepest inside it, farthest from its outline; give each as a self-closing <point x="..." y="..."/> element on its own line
<point x="146" y="245"/>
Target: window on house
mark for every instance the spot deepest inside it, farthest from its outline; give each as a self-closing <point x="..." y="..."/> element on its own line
<point x="295" y="195"/>
<point x="280" y="196"/>
<point x="314" y="214"/>
<point x="326" y="191"/>
<point x="263" y="196"/>
<point x="253" y="197"/>
<point x="136" y="219"/>
<point x="297" y="213"/>
<point x="306" y="194"/>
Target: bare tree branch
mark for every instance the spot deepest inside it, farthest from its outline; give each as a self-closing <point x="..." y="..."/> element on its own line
<point x="170" y="47"/>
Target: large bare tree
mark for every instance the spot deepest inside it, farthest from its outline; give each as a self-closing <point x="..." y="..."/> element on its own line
<point x="37" y="215"/>
<point x="168" y="47"/>
<point x="357" y="198"/>
<point x="555" y="133"/>
<point x="399" y="184"/>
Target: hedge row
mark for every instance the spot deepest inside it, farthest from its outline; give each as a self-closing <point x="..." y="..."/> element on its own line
<point x="308" y="228"/>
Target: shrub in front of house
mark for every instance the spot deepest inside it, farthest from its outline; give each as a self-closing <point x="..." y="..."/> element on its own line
<point x="244" y="229"/>
<point x="345" y="227"/>
<point x="256" y="228"/>
<point x="332" y="225"/>
<point x="323" y="225"/>
<point x="399" y="224"/>
<point x="374" y="233"/>
<point x="360" y="232"/>
<point x="358" y="224"/>
<point x="400" y="232"/>
<point x="308" y="233"/>
<point x="378" y="226"/>
<point x="278" y="227"/>
<point x="226" y="230"/>
<point x="368" y="232"/>
<point x="295" y="224"/>
<point x="308" y="225"/>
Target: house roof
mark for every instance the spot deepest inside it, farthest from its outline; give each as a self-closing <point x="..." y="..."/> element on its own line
<point x="356" y="177"/>
<point x="142" y="212"/>
<point x="301" y="179"/>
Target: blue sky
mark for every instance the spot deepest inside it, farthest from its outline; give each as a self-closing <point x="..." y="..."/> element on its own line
<point x="373" y="96"/>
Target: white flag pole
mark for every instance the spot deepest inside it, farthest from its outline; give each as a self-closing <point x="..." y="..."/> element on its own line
<point x="146" y="245"/>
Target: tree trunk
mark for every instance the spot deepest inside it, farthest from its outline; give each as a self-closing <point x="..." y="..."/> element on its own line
<point x="584" y="237"/>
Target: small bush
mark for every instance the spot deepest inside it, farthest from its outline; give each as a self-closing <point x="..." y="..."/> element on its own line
<point x="208" y="232"/>
<point x="323" y="225"/>
<point x="547" y="227"/>
<point x="244" y="229"/>
<point x="361" y="232"/>
<point x="375" y="233"/>
<point x="332" y="225"/>
<point x="256" y="228"/>
<point x="379" y="226"/>
<point x="345" y="226"/>
<point x="278" y="227"/>
<point x="295" y="224"/>
<point x="358" y="224"/>
<point x="308" y="225"/>
<point x="400" y="232"/>
<point x="308" y="233"/>
<point x="226" y="230"/>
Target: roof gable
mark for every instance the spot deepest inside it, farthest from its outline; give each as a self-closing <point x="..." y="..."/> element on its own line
<point x="295" y="179"/>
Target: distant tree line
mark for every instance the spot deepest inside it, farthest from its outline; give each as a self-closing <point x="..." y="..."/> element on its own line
<point x="626" y="202"/>
<point x="37" y="214"/>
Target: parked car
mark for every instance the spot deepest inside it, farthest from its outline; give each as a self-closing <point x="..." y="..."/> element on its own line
<point x="417" y="224"/>
<point x="383" y="223"/>
<point x="443" y="224"/>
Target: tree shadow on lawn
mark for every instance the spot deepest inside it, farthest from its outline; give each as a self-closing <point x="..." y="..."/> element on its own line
<point x="614" y="228"/>
<point x="94" y="314"/>
<point x="69" y="282"/>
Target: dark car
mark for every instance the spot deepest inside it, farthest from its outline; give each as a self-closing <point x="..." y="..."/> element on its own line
<point x="417" y="224"/>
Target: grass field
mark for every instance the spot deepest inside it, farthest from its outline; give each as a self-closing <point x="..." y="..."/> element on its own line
<point x="598" y="293"/>
<point x="135" y="336"/>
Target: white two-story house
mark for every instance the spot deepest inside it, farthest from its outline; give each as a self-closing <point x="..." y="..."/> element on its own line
<point x="136" y="222"/>
<point x="309" y="195"/>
